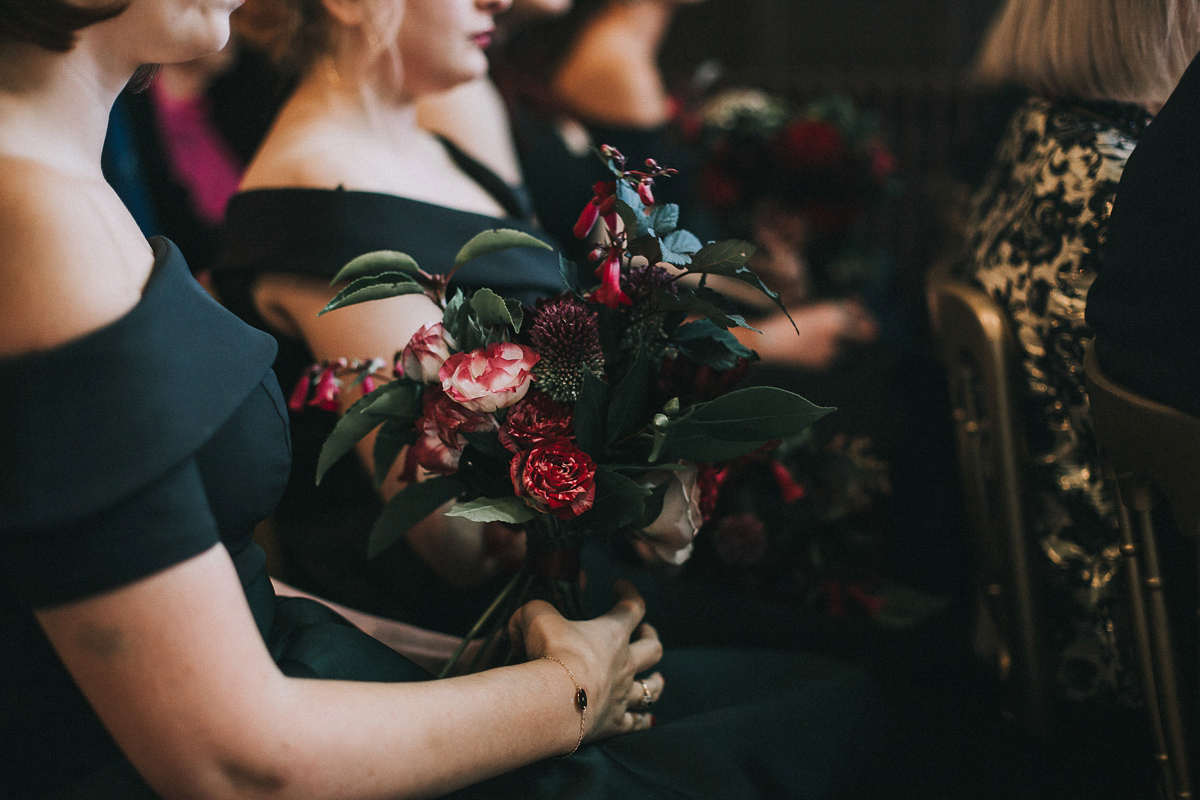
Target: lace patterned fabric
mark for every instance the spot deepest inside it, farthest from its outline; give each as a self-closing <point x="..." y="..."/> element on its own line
<point x="1035" y="228"/>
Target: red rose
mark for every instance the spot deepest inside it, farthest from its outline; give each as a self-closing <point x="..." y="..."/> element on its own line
<point x="489" y="378"/>
<point x="555" y="477"/>
<point x="535" y="419"/>
<point x="440" y="430"/>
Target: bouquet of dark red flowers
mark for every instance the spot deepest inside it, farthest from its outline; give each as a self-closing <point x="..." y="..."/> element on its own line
<point x="586" y="415"/>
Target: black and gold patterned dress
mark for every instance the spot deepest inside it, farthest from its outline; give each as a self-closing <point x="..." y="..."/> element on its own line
<point x="1034" y="231"/>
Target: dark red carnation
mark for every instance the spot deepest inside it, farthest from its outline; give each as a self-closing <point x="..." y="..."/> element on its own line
<point x="535" y="419"/>
<point x="555" y="477"/>
<point x="440" y="430"/>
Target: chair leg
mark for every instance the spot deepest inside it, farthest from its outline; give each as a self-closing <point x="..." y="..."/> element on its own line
<point x="1156" y="651"/>
<point x="1145" y="652"/>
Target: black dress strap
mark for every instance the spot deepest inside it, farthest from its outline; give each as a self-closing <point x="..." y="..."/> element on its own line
<point x="515" y="202"/>
<point x="163" y="379"/>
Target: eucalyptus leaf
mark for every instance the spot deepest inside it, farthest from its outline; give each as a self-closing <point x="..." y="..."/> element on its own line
<point x="494" y="509"/>
<point x="481" y="244"/>
<point x="679" y="246"/>
<point x="409" y="506"/>
<point x="375" y="287"/>
<point x="632" y="210"/>
<point x="375" y="263"/>
<point x="664" y="218"/>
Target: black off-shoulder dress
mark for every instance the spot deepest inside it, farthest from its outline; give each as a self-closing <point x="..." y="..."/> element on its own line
<point x="164" y="434"/>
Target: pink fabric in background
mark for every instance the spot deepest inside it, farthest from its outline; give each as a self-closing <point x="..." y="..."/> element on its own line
<point x="197" y="156"/>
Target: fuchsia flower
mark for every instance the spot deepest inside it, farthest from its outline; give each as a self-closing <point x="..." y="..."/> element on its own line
<point x="440" y="432"/>
<point x="555" y="477"/>
<point x="488" y="378"/>
<point x="602" y="204"/>
<point x="609" y="293"/>
<point x="425" y="353"/>
<point x="326" y="397"/>
<point x="299" y="395"/>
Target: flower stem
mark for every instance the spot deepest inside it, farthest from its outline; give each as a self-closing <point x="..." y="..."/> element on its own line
<point x="479" y="623"/>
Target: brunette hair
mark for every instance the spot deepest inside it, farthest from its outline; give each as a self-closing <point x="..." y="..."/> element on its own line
<point x="50" y="23"/>
<point x="1130" y="51"/>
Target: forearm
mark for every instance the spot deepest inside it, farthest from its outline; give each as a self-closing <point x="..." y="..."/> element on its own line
<point x="346" y="740"/>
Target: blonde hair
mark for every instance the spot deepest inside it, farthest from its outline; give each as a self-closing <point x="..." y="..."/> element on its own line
<point x="296" y="33"/>
<point x="1130" y="51"/>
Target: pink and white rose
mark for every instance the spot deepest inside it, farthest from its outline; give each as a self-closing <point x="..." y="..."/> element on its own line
<point x="425" y="353"/>
<point x="489" y="378"/>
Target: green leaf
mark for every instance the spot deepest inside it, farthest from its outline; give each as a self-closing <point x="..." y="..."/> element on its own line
<point x="409" y="506"/>
<point x="481" y="244"/>
<point x="391" y="439"/>
<point x="397" y="398"/>
<point x="632" y="211"/>
<point x="375" y="287"/>
<point x="629" y="398"/>
<point x="619" y="501"/>
<point x="664" y="218"/>
<point x="569" y="273"/>
<point x="494" y="509"/>
<point x="648" y="246"/>
<point x="491" y="309"/>
<point x="705" y="342"/>
<point x="376" y="263"/>
<point x="737" y="423"/>
<point x="721" y="258"/>
<point x="588" y="416"/>
<point x="678" y="247"/>
<point x="704" y="302"/>
<point x="350" y="429"/>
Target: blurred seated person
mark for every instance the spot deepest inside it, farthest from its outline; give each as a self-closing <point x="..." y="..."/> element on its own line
<point x="345" y="170"/>
<point x="1034" y="236"/>
<point x="1142" y="306"/>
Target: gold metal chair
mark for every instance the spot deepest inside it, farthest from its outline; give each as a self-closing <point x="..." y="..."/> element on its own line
<point x="977" y="349"/>
<point x="1147" y="447"/>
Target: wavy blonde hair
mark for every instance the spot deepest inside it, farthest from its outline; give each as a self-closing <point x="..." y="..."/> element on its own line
<point x="1131" y="51"/>
<point x="296" y="33"/>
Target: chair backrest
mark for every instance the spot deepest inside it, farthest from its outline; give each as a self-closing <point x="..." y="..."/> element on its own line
<point x="1147" y="442"/>
<point x="977" y="348"/>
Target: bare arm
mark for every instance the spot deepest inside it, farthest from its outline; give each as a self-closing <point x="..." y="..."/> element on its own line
<point x="176" y="670"/>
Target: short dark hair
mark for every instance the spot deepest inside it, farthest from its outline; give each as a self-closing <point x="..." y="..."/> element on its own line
<point x="51" y="23"/>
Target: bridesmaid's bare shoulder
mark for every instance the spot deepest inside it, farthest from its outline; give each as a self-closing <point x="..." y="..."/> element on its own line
<point x="73" y="260"/>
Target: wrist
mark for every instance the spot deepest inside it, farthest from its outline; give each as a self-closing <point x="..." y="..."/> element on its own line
<point x="578" y="699"/>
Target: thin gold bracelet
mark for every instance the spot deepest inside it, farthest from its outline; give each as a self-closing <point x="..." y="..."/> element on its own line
<point x="580" y="702"/>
